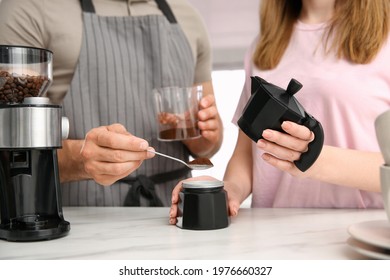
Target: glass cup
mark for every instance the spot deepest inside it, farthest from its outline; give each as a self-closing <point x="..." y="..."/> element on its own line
<point x="177" y="112"/>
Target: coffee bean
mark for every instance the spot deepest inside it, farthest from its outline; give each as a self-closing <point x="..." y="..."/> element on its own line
<point x="15" y="87"/>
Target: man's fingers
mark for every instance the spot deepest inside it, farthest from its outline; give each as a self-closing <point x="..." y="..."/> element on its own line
<point x="118" y="141"/>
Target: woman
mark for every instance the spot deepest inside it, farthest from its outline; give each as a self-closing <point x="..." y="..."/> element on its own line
<point x="339" y="51"/>
<point x="108" y="57"/>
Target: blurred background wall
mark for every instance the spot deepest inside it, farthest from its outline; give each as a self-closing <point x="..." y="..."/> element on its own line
<point x="232" y="26"/>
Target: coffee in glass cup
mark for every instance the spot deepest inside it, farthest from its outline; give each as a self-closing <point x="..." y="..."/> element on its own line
<point x="177" y="112"/>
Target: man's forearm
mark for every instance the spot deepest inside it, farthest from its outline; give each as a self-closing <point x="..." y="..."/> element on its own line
<point x="70" y="162"/>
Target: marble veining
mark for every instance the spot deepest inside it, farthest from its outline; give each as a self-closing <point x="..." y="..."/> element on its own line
<point x="144" y="234"/>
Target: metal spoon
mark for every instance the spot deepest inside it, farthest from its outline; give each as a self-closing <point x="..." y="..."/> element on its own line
<point x="196" y="164"/>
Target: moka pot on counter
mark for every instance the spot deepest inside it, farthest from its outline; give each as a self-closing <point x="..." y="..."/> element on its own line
<point x="31" y="131"/>
<point x="203" y="206"/>
<point x="269" y="106"/>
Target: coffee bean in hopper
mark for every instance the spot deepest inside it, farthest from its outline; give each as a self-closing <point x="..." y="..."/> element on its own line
<point x="14" y="87"/>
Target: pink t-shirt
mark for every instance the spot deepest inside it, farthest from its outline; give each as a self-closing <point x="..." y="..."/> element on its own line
<point x="346" y="98"/>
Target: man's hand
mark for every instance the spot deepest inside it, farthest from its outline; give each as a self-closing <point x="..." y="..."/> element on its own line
<point x="107" y="154"/>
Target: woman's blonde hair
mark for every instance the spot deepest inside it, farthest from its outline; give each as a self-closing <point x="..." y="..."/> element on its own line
<point x="358" y="30"/>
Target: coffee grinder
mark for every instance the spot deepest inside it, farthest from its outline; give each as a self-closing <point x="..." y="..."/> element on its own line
<point x="31" y="131"/>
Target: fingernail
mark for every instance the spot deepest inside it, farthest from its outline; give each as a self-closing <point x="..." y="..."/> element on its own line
<point x="267" y="133"/>
<point x="286" y="125"/>
<point x="261" y="144"/>
<point x="266" y="157"/>
<point x="143" y="145"/>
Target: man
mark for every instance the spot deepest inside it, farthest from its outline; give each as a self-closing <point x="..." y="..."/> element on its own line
<point x="108" y="56"/>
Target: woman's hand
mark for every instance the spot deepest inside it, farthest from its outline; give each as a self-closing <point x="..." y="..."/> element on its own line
<point x="282" y="149"/>
<point x="233" y="200"/>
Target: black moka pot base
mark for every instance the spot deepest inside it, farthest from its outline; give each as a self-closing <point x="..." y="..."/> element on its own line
<point x="207" y="213"/>
<point x="38" y="230"/>
<point x="203" y="206"/>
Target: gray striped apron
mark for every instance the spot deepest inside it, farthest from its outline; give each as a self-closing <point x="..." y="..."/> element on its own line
<point x="121" y="60"/>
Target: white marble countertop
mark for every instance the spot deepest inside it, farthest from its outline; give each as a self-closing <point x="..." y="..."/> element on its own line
<point x="144" y="233"/>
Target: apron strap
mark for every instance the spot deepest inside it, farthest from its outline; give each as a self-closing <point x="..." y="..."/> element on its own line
<point x="88" y="7"/>
<point x="143" y="186"/>
<point x="166" y="10"/>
